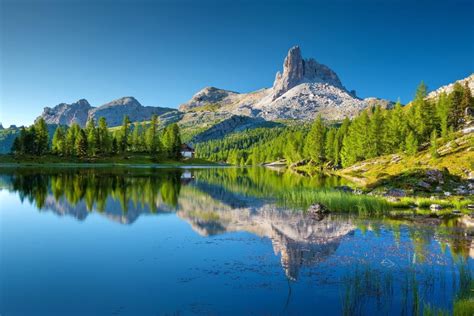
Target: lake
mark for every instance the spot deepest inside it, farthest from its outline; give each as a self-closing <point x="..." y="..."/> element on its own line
<point x="215" y="241"/>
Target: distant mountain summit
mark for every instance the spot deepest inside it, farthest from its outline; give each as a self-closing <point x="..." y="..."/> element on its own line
<point x="304" y="89"/>
<point x="67" y="114"/>
<point x="297" y="70"/>
<point x="81" y="111"/>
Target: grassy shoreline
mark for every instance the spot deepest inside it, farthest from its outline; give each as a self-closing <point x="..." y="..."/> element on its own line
<point x="10" y="161"/>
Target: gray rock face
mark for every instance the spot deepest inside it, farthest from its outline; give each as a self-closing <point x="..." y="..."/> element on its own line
<point x="297" y="70"/>
<point x="450" y="87"/>
<point x="67" y="114"/>
<point x="115" y="111"/>
<point x="81" y="111"/>
<point x="303" y="90"/>
<point x="207" y="96"/>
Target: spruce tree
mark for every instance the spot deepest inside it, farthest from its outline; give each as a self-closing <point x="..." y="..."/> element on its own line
<point x="375" y="134"/>
<point x="315" y="141"/>
<point x="411" y="144"/>
<point x="456" y="114"/>
<point x="329" y="149"/>
<point x="104" y="138"/>
<point x="124" y="141"/>
<point x="442" y="112"/>
<point x="81" y="144"/>
<point x="434" y="144"/>
<point x="41" y="136"/>
<point x="59" y="141"/>
<point x="467" y="101"/>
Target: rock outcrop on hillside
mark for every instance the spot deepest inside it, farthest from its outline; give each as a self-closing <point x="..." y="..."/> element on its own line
<point x="81" y="111"/>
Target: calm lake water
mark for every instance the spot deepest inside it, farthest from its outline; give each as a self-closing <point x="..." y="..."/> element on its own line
<point x="217" y="241"/>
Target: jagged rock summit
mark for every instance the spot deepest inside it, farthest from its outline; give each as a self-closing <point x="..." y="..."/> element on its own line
<point x="304" y="89"/>
<point x="81" y="111"/>
<point x="67" y="114"/>
<point x="297" y="70"/>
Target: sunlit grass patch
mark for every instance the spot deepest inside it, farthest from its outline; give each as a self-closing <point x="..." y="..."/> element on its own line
<point x="336" y="201"/>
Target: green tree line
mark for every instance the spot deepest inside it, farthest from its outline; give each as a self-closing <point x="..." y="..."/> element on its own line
<point x="374" y="132"/>
<point x="97" y="140"/>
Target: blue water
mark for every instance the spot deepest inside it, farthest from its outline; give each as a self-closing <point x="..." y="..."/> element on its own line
<point x="200" y="254"/>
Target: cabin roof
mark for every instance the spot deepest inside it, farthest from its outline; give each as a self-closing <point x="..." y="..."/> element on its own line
<point x="186" y="147"/>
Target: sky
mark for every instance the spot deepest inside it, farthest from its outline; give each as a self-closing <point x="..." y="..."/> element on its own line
<point x="163" y="52"/>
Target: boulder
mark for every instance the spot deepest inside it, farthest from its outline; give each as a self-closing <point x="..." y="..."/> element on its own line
<point x="424" y="185"/>
<point x="434" y="176"/>
<point x="396" y="193"/>
<point x="435" y="207"/>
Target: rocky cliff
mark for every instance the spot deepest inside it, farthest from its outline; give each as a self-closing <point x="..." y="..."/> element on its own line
<point x="81" y="111"/>
<point x="449" y="88"/>
<point x="304" y="89"/>
<point x="67" y="114"/>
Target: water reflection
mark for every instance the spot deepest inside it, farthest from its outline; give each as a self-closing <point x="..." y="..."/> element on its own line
<point x="379" y="258"/>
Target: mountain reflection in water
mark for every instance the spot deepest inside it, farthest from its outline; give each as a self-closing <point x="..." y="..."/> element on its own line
<point x="218" y="201"/>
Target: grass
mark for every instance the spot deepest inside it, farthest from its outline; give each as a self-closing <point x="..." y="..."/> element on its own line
<point x="337" y="201"/>
<point x="129" y="159"/>
<point x="456" y="156"/>
<point x="425" y="203"/>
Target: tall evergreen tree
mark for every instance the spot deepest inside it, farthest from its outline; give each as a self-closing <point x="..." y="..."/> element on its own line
<point x="41" y="136"/>
<point x="172" y="141"/>
<point x="456" y="110"/>
<point x="315" y="141"/>
<point x="411" y="144"/>
<point x="124" y="140"/>
<point x="81" y="144"/>
<point x="92" y="134"/>
<point x="442" y="112"/>
<point x="104" y="138"/>
<point x="424" y="113"/>
<point x="59" y="141"/>
<point x="375" y="134"/>
<point x="434" y="144"/>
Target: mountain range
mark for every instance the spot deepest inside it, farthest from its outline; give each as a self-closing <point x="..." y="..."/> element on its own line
<point x="301" y="91"/>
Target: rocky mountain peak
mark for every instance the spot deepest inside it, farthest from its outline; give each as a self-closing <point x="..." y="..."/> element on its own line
<point x="67" y="114"/>
<point x="297" y="70"/>
<point x="206" y="96"/>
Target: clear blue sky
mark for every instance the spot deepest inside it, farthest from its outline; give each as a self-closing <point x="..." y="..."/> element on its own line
<point x="162" y="52"/>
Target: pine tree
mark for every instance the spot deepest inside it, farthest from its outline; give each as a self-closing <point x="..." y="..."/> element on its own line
<point x="396" y="129"/>
<point x="467" y="101"/>
<point x="315" y="141"/>
<point x="456" y="114"/>
<point x="434" y="144"/>
<point x="104" y="138"/>
<point x="172" y="141"/>
<point x="442" y="112"/>
<point x="411" y="144"/>
<point x="59" y="141"/>
<point x="124" y="141"/>
<point x="81" y="144"/>
<point x="424" y="113"/>
<point x="41" y="137"/>
<point x="329" y="149"/>
<point x="375" y="133"/>
<point x="92" y="137"/>
<point x="152" y="139"/>
<point x="71" y="136"/>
